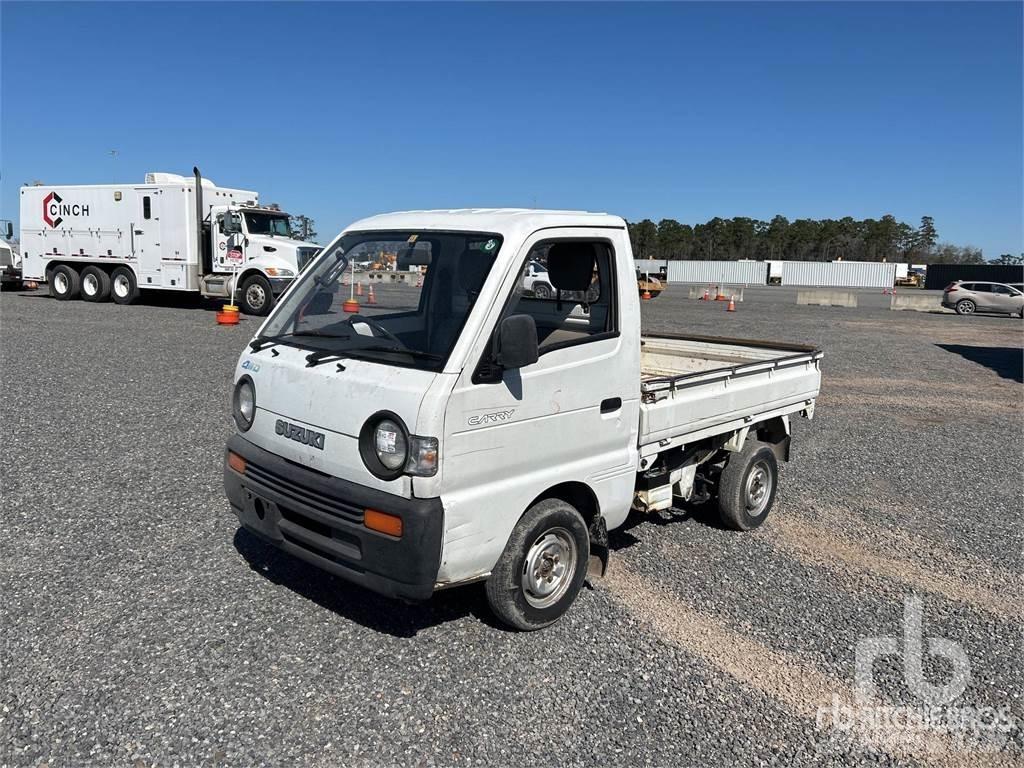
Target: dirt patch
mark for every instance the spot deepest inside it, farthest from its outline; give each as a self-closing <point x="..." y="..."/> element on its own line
<point x="820" y="547"/>
<point x="799" y="686"/>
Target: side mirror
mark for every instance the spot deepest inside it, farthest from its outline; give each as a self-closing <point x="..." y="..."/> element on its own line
<point x="517" y="342"/>
<point x="10" y="230"/>
<point x="229" y="224"/>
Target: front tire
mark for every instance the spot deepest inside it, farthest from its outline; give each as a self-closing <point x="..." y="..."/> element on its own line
<point x="123" y="288"/>
<point x="64" y="283"/>
<point x="965" y="307"/>
<point x="542" y="568"/>
<point x="746" y="490"/>
<point x="542" y="291"/>
<point x="257" y="297"/>
<point x="95" y="284"/>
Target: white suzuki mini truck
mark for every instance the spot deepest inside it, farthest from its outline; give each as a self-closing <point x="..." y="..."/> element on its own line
<point x="489" y="433"/>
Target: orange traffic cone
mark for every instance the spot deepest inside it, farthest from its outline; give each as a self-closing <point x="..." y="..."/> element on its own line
<point x="706" y="296"/>
<point x="732" y="304"/>
<point x="359" y="289"/>
<point x="719" y="296"/>
<point x="646" y="295"/>
<point x="419" y="281"/>
<point x="371" y="299"/>
<point x="350" y="305"/>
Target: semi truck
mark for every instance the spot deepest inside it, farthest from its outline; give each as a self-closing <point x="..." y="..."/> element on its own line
<point x="10" y="259"/>
<point x="170" y="233"/>
<point x="492" y="434"/>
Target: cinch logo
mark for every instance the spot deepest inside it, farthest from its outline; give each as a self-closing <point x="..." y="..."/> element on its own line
<point x="54" y="208"/>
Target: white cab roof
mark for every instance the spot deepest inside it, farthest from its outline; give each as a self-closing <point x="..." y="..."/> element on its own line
<point x="499" y="220"/>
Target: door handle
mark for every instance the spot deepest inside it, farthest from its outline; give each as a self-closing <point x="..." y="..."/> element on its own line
<point x="611" y="404"/>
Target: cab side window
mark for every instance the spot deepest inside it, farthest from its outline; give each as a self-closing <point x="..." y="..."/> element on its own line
<point x="567" y="286"/>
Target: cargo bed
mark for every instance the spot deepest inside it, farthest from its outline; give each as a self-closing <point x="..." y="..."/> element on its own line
<point x="694" y="387"/>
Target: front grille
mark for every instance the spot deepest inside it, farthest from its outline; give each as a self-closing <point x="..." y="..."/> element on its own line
<point x="301" y="495"/>
<point x="6" y="258"/>
<point x="305" y="255"/>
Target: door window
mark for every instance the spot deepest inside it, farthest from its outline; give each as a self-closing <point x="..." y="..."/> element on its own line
<point x="577" y="301"/>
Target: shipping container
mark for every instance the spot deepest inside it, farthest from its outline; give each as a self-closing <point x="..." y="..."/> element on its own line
<point x="939" y="276"/>
<point x="654" y="266"/>
<point x="839" y="274"/>
<point x="718" y="272"/>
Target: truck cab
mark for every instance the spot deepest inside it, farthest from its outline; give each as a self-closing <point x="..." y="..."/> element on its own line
<point x="489" y="433"/>
<point x="255" y="243"/>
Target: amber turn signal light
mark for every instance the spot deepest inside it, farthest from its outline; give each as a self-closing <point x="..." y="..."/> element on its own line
<point x="382" y="522"/>
<point x="236" y="462"/>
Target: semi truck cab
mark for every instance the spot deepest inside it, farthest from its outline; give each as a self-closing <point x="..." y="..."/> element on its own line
<point x="489" y="433"/>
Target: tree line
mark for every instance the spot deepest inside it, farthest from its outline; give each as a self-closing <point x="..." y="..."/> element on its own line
<point x="884" y="239"/>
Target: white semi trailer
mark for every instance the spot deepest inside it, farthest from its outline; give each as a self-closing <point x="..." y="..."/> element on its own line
<point x="171" y="233"/>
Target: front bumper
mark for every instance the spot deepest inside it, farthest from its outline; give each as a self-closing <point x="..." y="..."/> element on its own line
<point x="10" y="274"/>
<point x="279" y="285"/>
<point x="319" y="519"/>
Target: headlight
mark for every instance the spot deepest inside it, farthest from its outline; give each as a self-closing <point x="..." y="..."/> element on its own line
<point x="244" y="403"/>
<point x="390" y="444"/>
<point x="279" y="272"/>
<point x="388" y="450"/>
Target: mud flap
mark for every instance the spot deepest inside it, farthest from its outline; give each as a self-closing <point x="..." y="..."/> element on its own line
<point x="598" y="564"/>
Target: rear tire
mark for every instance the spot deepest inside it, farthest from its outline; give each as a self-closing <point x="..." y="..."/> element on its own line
<point x="746" y="490"/>
<point x="124" y="289"/>
<point x="64" y="283"/>
<point x="965" y="307"/>
<point x="542" y="568"/>
<point x="95" y="284"/>
<point x="256" y="296"/>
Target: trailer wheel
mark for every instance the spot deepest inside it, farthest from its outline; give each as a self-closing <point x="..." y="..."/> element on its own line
<point x="123" y="288"/>
<point x="256" y="295"/>
<point x="95" y="284"/>
<point x="746" y="489"/>
<point x="64" y="283"/>
<point x="542" y="568"/>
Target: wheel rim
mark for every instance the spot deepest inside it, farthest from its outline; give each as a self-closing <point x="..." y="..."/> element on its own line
<point x="255" y="296"/>
<point x="966" y="308"/>
<point x="121" y="286"/>
<point x="542" y="292"/>
<point x="90" y="285"/>
<point x="549" y="568"/>
<point x="758" y="489"/>
<point x="60" y="282"/>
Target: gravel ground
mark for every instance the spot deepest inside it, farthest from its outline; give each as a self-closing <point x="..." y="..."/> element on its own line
<point x="139" y="626"/>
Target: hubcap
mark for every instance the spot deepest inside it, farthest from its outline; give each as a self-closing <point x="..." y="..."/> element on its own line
<point x="121" y="286"/>
<point x="759" y="489"/>
<point x="60" y="282"/>
<point x="90" y="285"/>
<point x="255" y="295"/>
<point x="549" y="568"/>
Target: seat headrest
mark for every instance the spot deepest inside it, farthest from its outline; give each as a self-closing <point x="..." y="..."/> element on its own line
<point x="473" y="268"/>
<point x="571" y="266"/>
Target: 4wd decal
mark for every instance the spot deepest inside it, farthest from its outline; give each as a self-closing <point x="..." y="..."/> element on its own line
<point x="54" y="209"/>
<point x="493" y="417"/>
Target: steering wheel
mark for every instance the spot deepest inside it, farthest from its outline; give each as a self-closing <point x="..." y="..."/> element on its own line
<point x="379" y="330"/>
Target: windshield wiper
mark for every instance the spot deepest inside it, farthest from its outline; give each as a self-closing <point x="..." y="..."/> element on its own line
<point x="399" y="351"/>
<point x="262" y="342"/>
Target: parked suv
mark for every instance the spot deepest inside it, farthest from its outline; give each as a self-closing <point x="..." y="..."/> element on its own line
<point x="967" y="298"/>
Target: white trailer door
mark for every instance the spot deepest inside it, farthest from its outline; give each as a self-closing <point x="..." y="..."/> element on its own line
<point x="146" y="237"/>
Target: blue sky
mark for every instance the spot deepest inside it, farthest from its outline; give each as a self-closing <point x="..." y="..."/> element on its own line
<point x="664" y="110"/>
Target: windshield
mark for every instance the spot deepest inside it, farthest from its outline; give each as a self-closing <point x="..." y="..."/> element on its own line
<point x="406" y="324"/>
<point x="267" y="223"/>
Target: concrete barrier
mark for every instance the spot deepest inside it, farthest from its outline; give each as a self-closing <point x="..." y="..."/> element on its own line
<point x="696" y="291"/>
<point x="411" y="277"/>
<point x="827" y="298"/>
<point x="916" y="302"/>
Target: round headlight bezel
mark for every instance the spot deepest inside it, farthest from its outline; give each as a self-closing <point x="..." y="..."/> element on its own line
<point x="236" y="403"/>
<point x="368" y="445"/>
